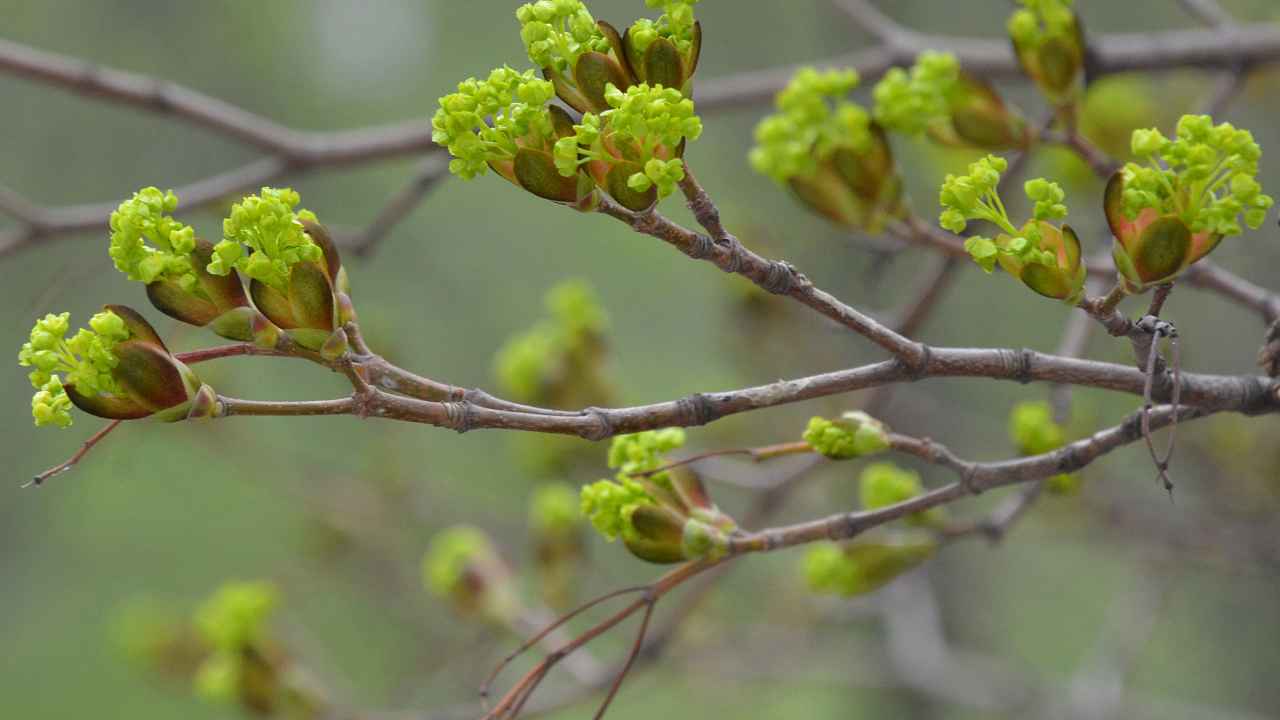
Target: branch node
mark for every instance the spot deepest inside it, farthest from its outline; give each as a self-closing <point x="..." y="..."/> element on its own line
<point x="780" y="279"/>
<point x="918" y="368"/>
<point x="736" y="253"/>
<point x="603" y="428"/>
<point x="459" y="415"/>
<point x="702" y="247"/>
<point x="696" y="410"/>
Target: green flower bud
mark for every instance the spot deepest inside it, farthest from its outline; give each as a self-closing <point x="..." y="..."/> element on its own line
<point x="854" y="434"/>
<point x="462" y="565"/>
<point x="866" y="564"/>
<point x="885" y="484"/>
<point x="1050" y="47"/>
<point x="147" y="244"/>
<point x="235" y="617"/>
<point x="1034" y="432"/>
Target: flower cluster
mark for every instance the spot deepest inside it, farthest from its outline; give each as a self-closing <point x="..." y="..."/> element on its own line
<point x="1049" y="46"/>
<point x="559" y="360"/>
<point x="1189" y="193"/>
<point x="865" y="564"/>
<point x="117" y="368"/>
<point x="828" y="151"/>
<point x="274" y="234"/>
<point x="1034" y="432"/>
<point x="144" y="218"/>
<point x="175" y="268"/>
<point x="632" y="91"/>
<point x="910" y="101"/>
<point x="632" y="150"/>
<point x="955" y="108"/>
<point x="557" y="32"/>
<point x="487" y="122"/>
<point x="1043" y="256"/>
<point x="661" y="517"/>
<point x="854" y="434"/>
<point x="86" y="360"/>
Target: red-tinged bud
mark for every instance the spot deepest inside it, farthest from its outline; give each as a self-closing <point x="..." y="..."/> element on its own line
<point x="336" y="346"/>
<point x="1151" y="248"/>
<point x="306" y="310"/>
<point x="860" y="190"/>
<point x="209" y="299"/>
<point x="1063" y="278"/>
<point x="151" y="381"/>
<point x="1054" y="61"/>
<point x="979" y="118"/>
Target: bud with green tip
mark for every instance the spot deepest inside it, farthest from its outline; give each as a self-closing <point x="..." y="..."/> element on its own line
<point x="582" y="56"/>
<point x="503" y="123"/>
<point x="662" y="517"/>
<point x="149" y="245"/>
<point x="854" y="434"/>
<point x="865" y="564"/>
<point x="633" y="151"/>
<point x="829" y="152"/>
<point x="462" y="566"/>
<point x="117" y="369"/>
<point x="245" y="666"/>
<point x="1043" y="256"/>
<point x="1049" y="43"/>
<point x="885" y="484"/>
<point x="294" y="268"/>
<point x="955" y="108"/>
<point x="1176" y="208"/>
<point x="1034" y="432"/>
<point x="555" y="523"/>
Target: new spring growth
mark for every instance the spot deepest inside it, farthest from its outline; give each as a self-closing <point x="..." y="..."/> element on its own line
<point x="296" y="278"/>
<point x="1050" y="46"/>
<point x="462" y="566"/>
<point x="117" y="368"/>
<point x="1043" y="256"/>
<point x="866" y="564"/>
<point x="582" y="56"/>
<point x="555" y="522"/>
<point x="936" y="96"/>
<point x="559" y="359"/>
<point x="633" y="150"/>
<point x="147" y="244"/>
<point x="150" y="246"/>
<point x="854" y="434"/>
<point x="1182" y="197"/>
<point x="662" y="517"/>
<point x="883" y="484"/>
<point x="233" y="625"/>
<point x="828" y="151"/>
<point x="1034" y="432"/>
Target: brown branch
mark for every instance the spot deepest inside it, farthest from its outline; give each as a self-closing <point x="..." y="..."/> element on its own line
<point x="974" y="478"/>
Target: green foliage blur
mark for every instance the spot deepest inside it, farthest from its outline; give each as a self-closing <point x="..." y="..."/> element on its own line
<point x="336" y="512"/>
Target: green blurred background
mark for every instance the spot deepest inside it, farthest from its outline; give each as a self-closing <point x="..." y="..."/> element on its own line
<point x="1178" y="601"/>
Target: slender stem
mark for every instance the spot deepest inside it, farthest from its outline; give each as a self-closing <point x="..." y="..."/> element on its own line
<point x="70" y="462"/>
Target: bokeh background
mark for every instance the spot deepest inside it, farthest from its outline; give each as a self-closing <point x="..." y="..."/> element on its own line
<point x="1173" y="607"/>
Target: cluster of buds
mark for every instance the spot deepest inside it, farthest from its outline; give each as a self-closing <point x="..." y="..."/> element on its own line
<point x="854" y="434"/>
<point x="462" y="566"/>
<point x="583" y="56"/>
<point x="1049" y="43"/>
<point x="555" y="524"/>
<point x="1173" y="208"/>
<point x="1045" y="257"/>
<point x="148" y="245"/>
<point x="662" y="516"/>
<point x="296" y="278"/>
<point x="1034" y="432"/>
<point x="632" y="90"/>
<point x="883" y="484"/>
<point x="244" y="665"/>
<point x="118" y="368"/>
<point x="954" y="107"/>
<point x="829" y="151"/>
